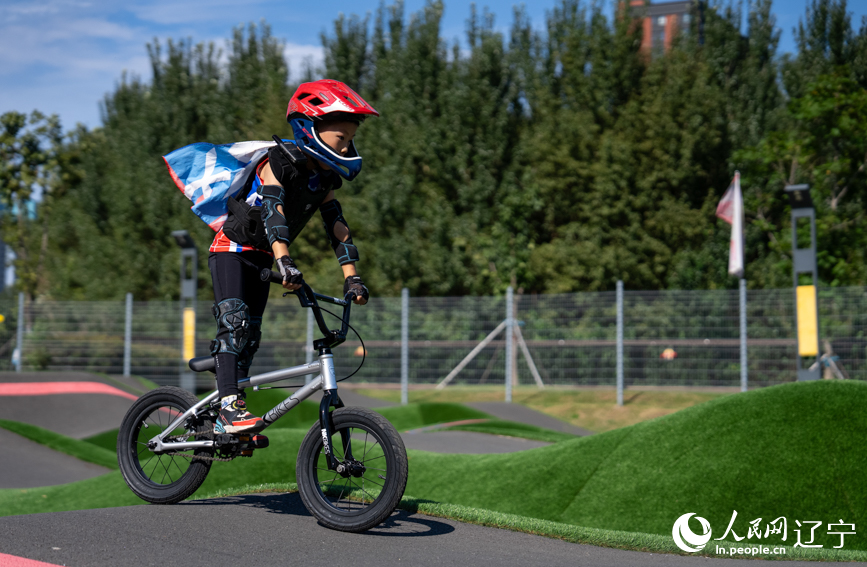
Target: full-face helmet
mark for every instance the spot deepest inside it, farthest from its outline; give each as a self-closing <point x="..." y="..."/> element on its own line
<point x="321" y="101"/>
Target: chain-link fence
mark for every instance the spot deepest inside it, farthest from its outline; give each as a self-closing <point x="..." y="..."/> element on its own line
<point x="676" y="338"/>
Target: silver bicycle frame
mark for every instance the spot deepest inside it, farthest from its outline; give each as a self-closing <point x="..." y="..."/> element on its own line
<point x="325" y="381"/>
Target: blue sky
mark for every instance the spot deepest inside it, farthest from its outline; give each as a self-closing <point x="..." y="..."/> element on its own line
<point x="62" y="56"/>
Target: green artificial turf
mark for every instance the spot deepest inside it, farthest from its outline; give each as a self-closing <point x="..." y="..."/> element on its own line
<point x="413" y="416"/>
<point x="514" y="429"/>
<point x="107" y="440"/>
<point x="79" y="449"/>
<point x="794" y="450"/>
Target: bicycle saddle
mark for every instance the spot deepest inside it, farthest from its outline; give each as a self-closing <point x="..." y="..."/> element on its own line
<point x="203" y="363"/>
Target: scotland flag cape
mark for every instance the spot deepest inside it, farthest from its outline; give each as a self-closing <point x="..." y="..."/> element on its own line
<point x="210" y="174"/>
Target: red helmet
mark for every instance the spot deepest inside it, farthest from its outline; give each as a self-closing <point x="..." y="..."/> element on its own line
<point x="326" y="96"/>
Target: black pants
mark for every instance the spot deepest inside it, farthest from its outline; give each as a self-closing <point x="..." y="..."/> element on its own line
<point x="236" y="276"/>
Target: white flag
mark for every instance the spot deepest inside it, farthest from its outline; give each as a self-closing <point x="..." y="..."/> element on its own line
<point x="731" y="210"/>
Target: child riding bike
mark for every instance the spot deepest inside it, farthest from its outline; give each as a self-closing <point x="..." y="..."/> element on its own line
<point x="283" y="191"/>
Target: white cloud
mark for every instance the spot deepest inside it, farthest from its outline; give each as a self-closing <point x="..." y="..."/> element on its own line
<point x="32" y="8"/>
<point x="299" y="56"/>
<point x="174" y="12"/>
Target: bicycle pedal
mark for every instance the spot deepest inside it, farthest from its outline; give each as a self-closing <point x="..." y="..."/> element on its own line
<point x="253" y="441"/>
<point x="247" y="453"/>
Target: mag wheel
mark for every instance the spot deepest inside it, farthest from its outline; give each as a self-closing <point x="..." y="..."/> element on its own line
<point x="373" y="484"/>
<point x="171" y="476"/>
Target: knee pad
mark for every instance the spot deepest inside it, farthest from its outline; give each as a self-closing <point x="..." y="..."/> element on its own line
<point x="253" y="341"/>
<point x="233" y="327"/>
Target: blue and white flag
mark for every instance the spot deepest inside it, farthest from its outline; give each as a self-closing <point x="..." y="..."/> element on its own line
<point x="209" y="174"/>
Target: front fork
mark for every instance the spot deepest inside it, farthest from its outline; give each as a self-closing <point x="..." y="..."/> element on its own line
<point x="326" y="424"/>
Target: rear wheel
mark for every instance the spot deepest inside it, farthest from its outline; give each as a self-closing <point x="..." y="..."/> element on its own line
<point x="365" y="496"/>
<point x="172" y="476"/>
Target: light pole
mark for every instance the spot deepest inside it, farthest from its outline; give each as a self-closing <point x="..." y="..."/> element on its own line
<point x="806" y="296"/>
<point x="189" y="277"/>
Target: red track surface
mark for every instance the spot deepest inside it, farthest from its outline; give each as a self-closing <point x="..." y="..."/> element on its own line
<point x="50" y="388"/>
<point x="15" y="561"/>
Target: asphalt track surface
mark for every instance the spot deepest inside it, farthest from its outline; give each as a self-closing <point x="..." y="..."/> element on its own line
<point x="74" y="415"/>
<point x="26" y="464"/>
<point x="276" y="529"/>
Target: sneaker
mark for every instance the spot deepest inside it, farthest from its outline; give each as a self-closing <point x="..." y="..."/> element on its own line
<point x="234" y="417"/>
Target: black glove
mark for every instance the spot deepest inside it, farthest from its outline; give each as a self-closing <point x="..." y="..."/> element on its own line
<point x="289" y="271"/>
<point x="353" y="285"/>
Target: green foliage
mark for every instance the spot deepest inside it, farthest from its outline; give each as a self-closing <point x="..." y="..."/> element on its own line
<point x="554" y="158"/>
<point x="114" y="234"/>
<point x="31" y="157"/>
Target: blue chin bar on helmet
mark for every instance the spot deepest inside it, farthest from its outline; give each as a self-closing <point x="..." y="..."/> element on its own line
<point x="308" y="140"/>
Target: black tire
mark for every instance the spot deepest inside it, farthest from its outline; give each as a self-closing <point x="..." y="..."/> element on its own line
<point x="353" y="504"/>
<point x="170" y="477"/>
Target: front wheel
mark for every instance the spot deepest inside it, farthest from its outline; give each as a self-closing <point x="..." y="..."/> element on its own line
<point x="173" y="475"/>
<point x="375" y="456"/>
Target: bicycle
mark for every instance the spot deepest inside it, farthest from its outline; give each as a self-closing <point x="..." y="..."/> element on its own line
<point x="166" y="443"/>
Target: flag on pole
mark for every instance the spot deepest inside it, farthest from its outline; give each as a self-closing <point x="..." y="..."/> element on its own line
<point x="731" y="210"/>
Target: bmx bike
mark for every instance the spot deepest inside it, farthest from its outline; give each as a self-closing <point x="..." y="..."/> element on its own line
<point x="351" y="468"/>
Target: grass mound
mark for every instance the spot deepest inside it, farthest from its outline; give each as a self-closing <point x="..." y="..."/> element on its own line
<point x="107" y="440"/>
<point x="514" y="429"/>
<point x="412" y="416"/>
<point x="794" y="450"/>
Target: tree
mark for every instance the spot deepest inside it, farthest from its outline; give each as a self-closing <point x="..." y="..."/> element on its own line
<point x="30" y="148"/>
<point x="825" y="146"/>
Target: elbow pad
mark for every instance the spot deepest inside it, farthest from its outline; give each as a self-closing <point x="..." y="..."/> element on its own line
<point x="276" y="228"/>
<point x="332" y="214"/>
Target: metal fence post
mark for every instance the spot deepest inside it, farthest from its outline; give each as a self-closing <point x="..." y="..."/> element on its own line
<point x="20" y="339"/>
<point x="743" y="306"/>
<point x="404" y="346"/>
<point x="510" y="311"/>
<point x="308" y="346"/>
<point x="619" y="343"/>
<point x="127" y="337"/>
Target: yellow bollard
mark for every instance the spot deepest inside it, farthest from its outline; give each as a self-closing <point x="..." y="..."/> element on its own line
<point x="808" y="323"/>
<point x="189" y="333"/>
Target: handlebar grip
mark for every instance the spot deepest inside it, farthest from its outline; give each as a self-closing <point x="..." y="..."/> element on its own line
<point x="268" y="275"/>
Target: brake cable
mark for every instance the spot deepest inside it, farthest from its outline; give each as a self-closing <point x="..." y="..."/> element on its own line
<point x="363" y="355"/>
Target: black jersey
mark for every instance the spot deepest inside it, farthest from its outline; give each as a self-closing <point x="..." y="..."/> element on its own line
<point x="304" y="190"/>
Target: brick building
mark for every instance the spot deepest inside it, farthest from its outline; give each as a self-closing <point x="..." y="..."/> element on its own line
<point x="661" y="22"/>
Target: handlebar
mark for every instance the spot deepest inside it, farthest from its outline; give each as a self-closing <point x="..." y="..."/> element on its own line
<point x="309" y="298"/>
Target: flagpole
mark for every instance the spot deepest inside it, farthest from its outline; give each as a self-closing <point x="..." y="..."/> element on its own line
<point x="743" y="305"/>
<point x="731" y="210"/>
